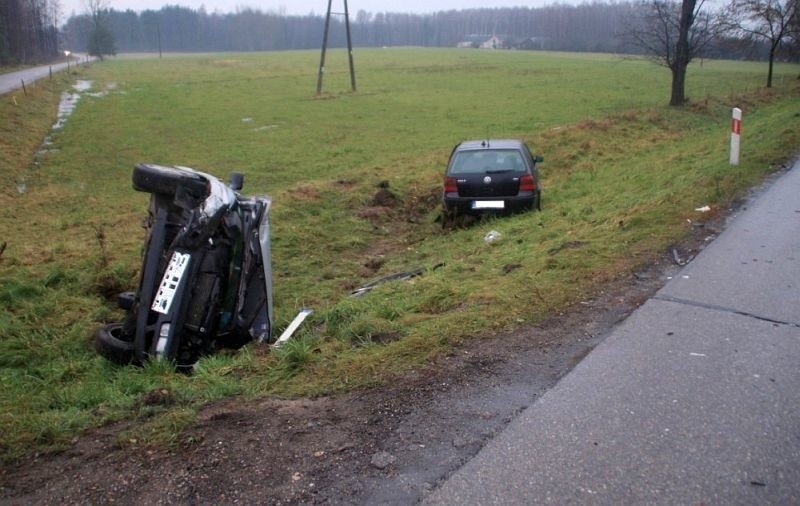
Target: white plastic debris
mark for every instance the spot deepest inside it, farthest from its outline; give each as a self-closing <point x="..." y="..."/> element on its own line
<point x="492" y="237"/>
<point x="703" y="209"/>
<point x="292" y="328"/>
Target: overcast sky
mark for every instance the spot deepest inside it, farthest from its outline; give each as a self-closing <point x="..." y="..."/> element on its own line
<point x="306" y="6"/>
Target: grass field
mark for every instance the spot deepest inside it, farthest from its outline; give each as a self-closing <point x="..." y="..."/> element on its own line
<point x="622" y="174"/>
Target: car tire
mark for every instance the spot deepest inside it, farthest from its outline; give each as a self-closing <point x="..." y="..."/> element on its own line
<point x="449" y="217"/>
<point x="166" y="180"/>
<point x="111" y="344"/>
<point x="539" y="200"/>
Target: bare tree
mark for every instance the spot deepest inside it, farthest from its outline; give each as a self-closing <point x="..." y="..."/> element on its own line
<point x="673" y="34"/>
<point x="768" y="20"/>
<point x="101" y="39"/>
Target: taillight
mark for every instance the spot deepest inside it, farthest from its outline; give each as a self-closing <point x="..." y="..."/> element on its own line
<point x="450" y="185"/>
<point x="526" y="183"/>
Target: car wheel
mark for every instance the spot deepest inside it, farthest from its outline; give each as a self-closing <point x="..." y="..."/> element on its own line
<point x="166" y="180"/>
<point x="448" y="218"/>
<point x="539" y="200"/>
<point x="110" y="342"/>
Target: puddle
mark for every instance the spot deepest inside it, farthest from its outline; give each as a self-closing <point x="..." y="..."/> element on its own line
<point x="82" y="85"/>
<point x="109" y="88"/>
<point x="66" y="106"/>
<point x="68" y="103"/>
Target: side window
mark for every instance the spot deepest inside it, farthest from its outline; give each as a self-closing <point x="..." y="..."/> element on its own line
<point x="529" y="159"/>
<point x="528" y="155"/>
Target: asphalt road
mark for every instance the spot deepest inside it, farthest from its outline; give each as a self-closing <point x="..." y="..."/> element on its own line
<point x="694" y="399"/>
<point x="13" y="80"/>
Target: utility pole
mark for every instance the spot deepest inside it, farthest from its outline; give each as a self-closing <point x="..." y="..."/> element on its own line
<point x="158" y="31"/>
<point x="349" y="48"/>
<point x="325" y="47"/>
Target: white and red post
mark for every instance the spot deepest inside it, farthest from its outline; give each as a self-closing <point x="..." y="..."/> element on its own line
<point x="736" y="131"/>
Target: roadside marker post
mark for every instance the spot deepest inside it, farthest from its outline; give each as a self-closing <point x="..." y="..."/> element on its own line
<point x="736" y="131"/>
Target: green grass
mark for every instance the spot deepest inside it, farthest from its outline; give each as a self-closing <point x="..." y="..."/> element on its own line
<point x="622" y="174"/>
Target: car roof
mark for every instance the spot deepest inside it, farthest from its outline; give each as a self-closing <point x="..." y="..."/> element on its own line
<point x="490" y="144"/>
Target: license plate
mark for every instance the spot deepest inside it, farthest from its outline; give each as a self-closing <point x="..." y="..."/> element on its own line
<point x="170" y="282"/>
<point x="488" y="204"/>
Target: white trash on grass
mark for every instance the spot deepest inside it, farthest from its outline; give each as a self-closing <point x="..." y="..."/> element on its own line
<point x="493" y="237"/>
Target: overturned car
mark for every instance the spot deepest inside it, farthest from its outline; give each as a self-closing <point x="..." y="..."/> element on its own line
<point x="206" y="275"/>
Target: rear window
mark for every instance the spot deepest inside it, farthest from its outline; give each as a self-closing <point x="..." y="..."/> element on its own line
<point x="487" y="161"/>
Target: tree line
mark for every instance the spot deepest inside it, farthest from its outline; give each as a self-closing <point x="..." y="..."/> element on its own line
<point x="596" y="27"/>
<point x="28" y="31"/>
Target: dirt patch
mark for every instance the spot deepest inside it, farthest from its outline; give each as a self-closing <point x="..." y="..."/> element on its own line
<point x="384" y="197"/>
<point x="374" y="263"/>
<point x="158" y="397"/>
<point x="386" y="206"/>
<point x="305" y="193"/>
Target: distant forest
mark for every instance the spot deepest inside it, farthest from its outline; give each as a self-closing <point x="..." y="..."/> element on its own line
<point x="593" y="27"/>
<point x="28" y="30"/>
<point x="29" y="33"/>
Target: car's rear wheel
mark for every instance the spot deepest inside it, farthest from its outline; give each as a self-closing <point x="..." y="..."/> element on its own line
<point x="449" y="217"/>
<point x="110" y="342"/>
<point x="166" y="180"/>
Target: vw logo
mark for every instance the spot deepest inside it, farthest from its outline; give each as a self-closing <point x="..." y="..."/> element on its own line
<point x="487" y="180"/>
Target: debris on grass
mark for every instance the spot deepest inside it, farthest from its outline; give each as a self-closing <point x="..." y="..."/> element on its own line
<point x="676" y="258"/>
<point x="703" y="209"/>
<point x="566" y="245"/>
<point x="292" y="328"/>
<point x="398" y="276"/>
<point x="493" y="237"/>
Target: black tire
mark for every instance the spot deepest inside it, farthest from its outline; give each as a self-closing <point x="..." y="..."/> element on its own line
<point x="449" y="217"/>
<point x="539" y="200"/>
<point x="110" y="342"/>
<point x="166" y="180"/>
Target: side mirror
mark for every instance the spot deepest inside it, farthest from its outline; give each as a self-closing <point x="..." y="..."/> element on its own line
<point x="538" y="159"/>
<point x="237" y="181"/>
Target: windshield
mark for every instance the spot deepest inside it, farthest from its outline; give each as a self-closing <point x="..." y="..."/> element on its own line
<point x="487" y="161"/>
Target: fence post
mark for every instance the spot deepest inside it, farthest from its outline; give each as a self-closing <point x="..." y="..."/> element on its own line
<point x="24" y="90"/>
<point x="736" y="131"/>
